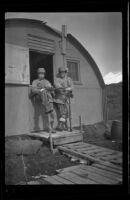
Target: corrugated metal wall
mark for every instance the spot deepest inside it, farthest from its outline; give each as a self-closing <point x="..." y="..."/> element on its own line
<point x="19" y="109"/>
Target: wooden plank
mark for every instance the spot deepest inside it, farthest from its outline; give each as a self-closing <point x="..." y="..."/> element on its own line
<point x="103" y="169"/>
<point x="104" y="173"/>
<point x="65" y="134"/>
<point x="86" y="157"/>
<point x="41" y="134"/>
<point x="57" y="134"/>
<point x="68" y="169"/>
<point x="102" y="153"/>
<point x="110" y="157"/>
<point x="117" y="161"/>
<point x="83" y="146"/>
<point x="107" y="173"/>
<point x="74" y="144"/>
<point x="88" y="149"/>
<point x="80" y="145"/>
<point x="83" y="177"/>
<point x="107" y="168"/>
<point x="95" y="154"/>
<point x="62" y="180"/>
<point x="51" y="180"/>
<point x="107" y="149"/>
<point x="95" y="177"/>
<point x="92" y="151"/>
<point x="63" y="140"/>
<point x="75" y="178"/>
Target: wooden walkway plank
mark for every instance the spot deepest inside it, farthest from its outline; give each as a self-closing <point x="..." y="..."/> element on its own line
<point x="86" y="157"/>
<point x="51" y="180"/>
<point x="104" y="173"/>
<point x="84" y="176"/>
<point x="68" y="168"/>
<point x="107" y="168"/>
<point x="83" y="145"/>
<point x="108" y="178"/>
<point x="111" y="157"/>
<point x="74" y="144"/>
<point x="62" y="180"/>
<point x="117" y="162"/>
<point x="75" y="178"/>
<point x="93" y="176"/>
<point x="88" y="149"/>
<point x="103" y="153"/>
<point x="94" y="151"/>
<point x="97" y="177"/>
<point x="110" y="150"/>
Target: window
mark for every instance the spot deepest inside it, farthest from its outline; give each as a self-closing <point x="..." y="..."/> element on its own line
<point x="73" y="67"/>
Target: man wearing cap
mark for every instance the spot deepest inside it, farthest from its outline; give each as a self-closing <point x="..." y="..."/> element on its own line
<point x="63" y="87"/>
<point x="43" y="89"/>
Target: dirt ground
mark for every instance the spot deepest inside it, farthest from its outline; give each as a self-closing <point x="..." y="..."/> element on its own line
<point x="42" y="162"/>
<point x="37" y="158"/>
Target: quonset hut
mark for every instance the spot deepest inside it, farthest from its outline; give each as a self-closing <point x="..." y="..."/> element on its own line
<point x="30" y="44"/>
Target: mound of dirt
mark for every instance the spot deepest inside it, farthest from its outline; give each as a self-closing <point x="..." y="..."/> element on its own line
<point x="114" y="101"/>
<point x="96" y="134"/>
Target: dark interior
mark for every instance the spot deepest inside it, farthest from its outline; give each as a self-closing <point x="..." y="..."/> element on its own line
<point x="37" y="60"/>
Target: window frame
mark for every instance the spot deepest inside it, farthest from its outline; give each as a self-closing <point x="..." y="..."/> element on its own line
<point x="79" y="74"/>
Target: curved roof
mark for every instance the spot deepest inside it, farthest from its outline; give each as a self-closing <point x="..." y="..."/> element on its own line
<point x="88" y="57"/>
<point x="72" y="39"/>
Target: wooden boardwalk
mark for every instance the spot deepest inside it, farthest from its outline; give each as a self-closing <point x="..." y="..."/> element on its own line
<point x="59" y="138"/>
<point x="93" y="153"/>
<point x="84" y="174"/>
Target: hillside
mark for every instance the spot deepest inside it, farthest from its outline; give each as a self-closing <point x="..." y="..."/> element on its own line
<point x="114" y="99"/>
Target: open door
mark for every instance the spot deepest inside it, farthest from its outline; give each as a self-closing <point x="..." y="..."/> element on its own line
<point x="38" y="118"/>
<point x="38" y="59"/>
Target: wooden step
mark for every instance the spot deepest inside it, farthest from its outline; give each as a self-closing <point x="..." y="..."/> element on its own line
<point x="59" y="138"/>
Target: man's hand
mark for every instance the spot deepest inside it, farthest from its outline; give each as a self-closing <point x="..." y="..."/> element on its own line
<point x="69" y="89"/>
<point x="42" y="90"/>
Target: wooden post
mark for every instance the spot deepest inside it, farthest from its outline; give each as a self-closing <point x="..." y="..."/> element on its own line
<point x="80" y="123"/>
<point x="70" y="115"/>
<point x="64" y="35"/>
<point x="51" y="142"/>
<point x="50" y="133"/>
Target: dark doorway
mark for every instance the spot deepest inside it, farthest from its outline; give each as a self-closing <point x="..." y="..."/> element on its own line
<point x="38" y="59"/>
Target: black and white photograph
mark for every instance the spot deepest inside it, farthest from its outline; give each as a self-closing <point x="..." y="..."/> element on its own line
<point x="63" y="98"/>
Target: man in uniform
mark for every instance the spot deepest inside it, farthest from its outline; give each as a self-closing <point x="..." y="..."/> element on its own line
<point x="42" y="88"/>
<point x="63" y="88"/>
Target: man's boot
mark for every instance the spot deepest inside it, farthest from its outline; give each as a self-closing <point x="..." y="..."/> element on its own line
<point x="66" y="126"/>
<point x="59" y="126"/>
